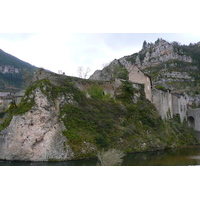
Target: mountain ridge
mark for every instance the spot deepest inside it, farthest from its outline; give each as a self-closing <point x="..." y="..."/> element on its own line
<point x="15" y="74"/>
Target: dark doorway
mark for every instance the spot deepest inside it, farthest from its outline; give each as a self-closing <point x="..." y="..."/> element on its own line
<point x="191" y="122"/>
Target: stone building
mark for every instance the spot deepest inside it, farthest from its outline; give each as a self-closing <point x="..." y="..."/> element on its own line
<point x="137" y="76"/>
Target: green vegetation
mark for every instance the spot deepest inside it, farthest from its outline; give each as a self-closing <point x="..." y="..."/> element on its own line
<point x="119" y="123"/>
<point x="116" y="70"/>
<point x="142" y="56"/>
<point x="176" y="84"/>
<point x="192" y="50"/>
<point x="160" y="87"/>
<point x="132" y="58"/>
<point x="101" y="122"/>
<point x="96" y="92"/>
<point x="120" y="71"/>
<point x="15" y="81"/>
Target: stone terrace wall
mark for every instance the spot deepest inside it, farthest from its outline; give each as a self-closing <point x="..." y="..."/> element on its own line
<point x="6" y="98"/>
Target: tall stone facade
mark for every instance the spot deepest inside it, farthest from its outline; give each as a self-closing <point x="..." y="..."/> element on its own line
<point x="169" y="104"/>
<point x="137" y="76"/>
<point x="163" y="103"/>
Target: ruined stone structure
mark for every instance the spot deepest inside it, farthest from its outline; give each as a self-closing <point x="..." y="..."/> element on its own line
<point x="169" y="104"/>
<point x="137" y="76"/>
<point x="7" y="97"/>
<point x="194" y="118"/>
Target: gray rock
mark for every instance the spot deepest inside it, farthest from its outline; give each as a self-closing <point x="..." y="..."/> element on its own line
<point x="35" y="135"/>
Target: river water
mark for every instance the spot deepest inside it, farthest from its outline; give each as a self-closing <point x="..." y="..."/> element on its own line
<point x="185" y="156"/>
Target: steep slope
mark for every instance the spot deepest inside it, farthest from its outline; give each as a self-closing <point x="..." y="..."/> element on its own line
<point x="170" y="65"/>
<point x="64" y="118"/>
<point x="15" y="74"/>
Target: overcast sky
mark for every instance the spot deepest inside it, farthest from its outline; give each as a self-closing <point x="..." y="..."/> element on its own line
<point x="68" y="51"/>
<point x="42" y="32"/>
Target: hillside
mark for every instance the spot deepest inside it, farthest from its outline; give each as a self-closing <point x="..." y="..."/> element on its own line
<point x="170" y="65"/>
<point x="15" y="74"/>
<point x="65" y="118"/>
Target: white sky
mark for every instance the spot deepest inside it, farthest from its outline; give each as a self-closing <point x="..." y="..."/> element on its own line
<point x="68" y="51"/>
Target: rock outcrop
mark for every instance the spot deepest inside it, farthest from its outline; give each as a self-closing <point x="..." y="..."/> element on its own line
<point x="168" y="64"/>
<point x="7" y="69"/>
<point x="150" y="56"/>
<point x="36" y="135"/>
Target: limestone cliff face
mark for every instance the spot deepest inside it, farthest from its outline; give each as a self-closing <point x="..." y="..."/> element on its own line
<point x="37" y="134"/>
<point x="150" y="56"/>
<point x="7" y="69"/>
<point x="160" y="52"/>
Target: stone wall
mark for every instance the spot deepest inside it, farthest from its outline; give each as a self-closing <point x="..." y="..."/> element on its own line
<point x="169" y="104"/>
<point x="6" y="98"/>
<point x="163" y="103"/>
<point x="180" y="106"/>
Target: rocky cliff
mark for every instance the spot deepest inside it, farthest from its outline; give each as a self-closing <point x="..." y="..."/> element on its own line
<point x="151" y="55"/>
<point x="35" y="135"/>
<point x="171" y="65"/>
<point x="7" y="69"/>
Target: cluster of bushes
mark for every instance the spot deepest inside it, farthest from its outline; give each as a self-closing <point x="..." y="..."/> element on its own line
<point x="119" y="123"/>
<point x="161" y="87"/>
<point x="103" y="122"/>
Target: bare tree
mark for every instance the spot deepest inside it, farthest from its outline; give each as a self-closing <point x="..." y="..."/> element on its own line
<point x="83" y="73"/>
<point x="111" y="157"/>
<point x="105" y="64"/>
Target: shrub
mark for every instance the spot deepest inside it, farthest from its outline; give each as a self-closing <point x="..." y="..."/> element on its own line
<point x="160" y="87"/>
<point x="177" y="118"/>
<point x="96" y="92"/>
<point x="111" y="157"/>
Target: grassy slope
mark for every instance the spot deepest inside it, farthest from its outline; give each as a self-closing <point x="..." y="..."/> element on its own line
<point x="101" y="122"/>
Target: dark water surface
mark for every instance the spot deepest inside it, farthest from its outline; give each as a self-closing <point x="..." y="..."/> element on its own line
<point x="184" y="156"/>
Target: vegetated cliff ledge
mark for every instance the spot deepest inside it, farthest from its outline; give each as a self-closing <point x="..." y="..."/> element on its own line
<point x="64" y="118"/>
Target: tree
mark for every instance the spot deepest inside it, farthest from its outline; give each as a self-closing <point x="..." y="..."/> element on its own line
<point x="105" y="65"/>
<point x="176" y="44"/>
<point x="83" y="73"/>
<point x="144" y="46"/>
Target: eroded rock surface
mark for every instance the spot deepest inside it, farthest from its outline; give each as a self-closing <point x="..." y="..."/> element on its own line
<point x="35" y="135"/>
